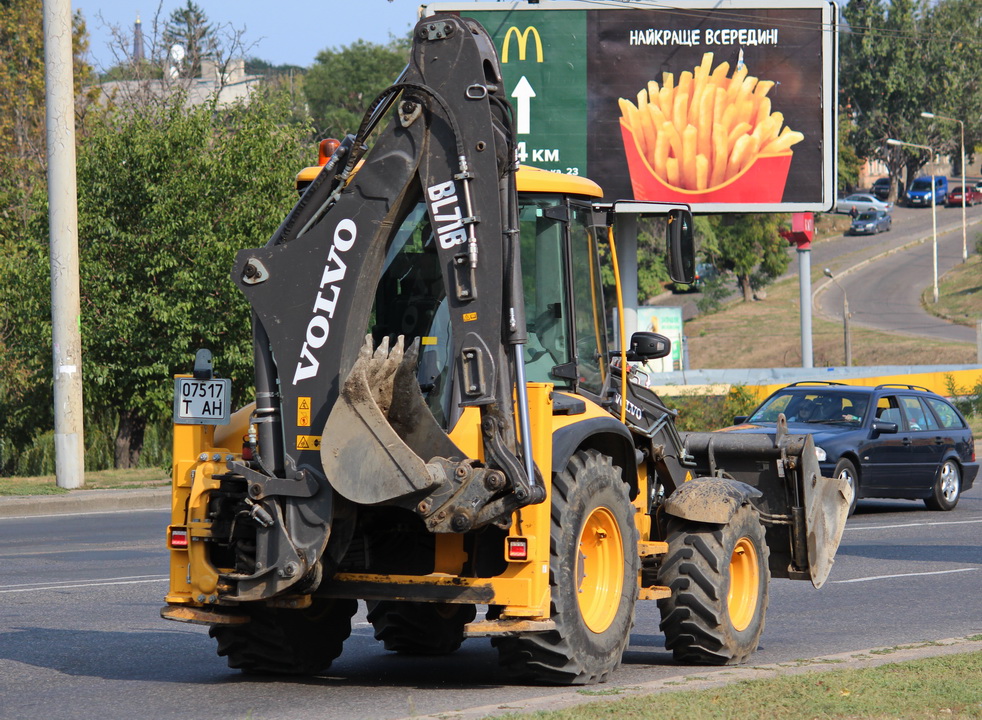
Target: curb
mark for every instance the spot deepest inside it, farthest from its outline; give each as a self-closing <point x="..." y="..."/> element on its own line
<point x="852" y="660"/>
<point x="85" y="501"/>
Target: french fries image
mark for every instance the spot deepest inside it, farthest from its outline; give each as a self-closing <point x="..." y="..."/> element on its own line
<point x="706" y="128"/>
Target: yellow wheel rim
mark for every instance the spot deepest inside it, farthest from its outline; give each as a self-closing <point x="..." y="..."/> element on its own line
<point x="744" y="584"/>
<point x="600" y="570"/>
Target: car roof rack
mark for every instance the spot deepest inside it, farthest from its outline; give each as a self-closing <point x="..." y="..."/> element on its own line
<point x="814" y="382"/>
<point x="905" y="386"/>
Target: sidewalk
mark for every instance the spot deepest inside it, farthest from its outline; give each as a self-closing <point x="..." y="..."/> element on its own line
<point x="84" y="501"/>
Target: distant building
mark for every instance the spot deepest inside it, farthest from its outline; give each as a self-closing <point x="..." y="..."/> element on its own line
<point x="231" y="86"/>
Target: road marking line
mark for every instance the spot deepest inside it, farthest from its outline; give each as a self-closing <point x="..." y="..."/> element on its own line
<point x="901" y="575"/>
<point x="97" y="580"/>
<point x="918" y="524"/>
<point x="84" y="585"/>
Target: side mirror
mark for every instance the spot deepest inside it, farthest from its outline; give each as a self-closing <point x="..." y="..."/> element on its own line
<point x="740" y="419"/>
<point x="648" y="346"/>
<point x="882" y="427"/>
<point x="681" y="248"/>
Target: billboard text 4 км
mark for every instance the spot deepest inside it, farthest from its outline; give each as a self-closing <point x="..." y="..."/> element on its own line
<point x="728" y="106"/>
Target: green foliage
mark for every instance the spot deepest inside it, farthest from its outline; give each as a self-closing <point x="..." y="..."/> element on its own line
<point x="905" y="57"/>
<point x="166" y="197"/>
<point x="189" y="27"/>
<point x="714" y="292"/>
<point x="850" y="164"/>
<point x="749" y="246"/>
<point x="967" y="400"/>
<point x="341" y="83"/>
<point x="710" y="412"/>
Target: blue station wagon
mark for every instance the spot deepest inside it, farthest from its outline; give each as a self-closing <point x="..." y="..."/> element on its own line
<point x="888" y="441"/>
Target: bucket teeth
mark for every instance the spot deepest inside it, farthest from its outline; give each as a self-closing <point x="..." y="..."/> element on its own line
<point x="380" y="437"/>
<point x="381" y="369"/>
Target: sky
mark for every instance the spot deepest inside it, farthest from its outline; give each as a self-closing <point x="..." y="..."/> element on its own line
<point x="284" y="31"/>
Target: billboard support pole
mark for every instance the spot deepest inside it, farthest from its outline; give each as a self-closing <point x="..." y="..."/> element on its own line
<point x="805" y="300"/>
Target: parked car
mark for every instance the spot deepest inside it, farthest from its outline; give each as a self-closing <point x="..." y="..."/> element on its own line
<point x="978" y="186"/>
<point x="870" y="222"/>
<point x="954" y="199"/>
<point x="705" y="272"/>
<point x="861" y="202"/>
<point x="888" y="441"/>
<point x="881" y="188"/>
<point x="919" y="193"/>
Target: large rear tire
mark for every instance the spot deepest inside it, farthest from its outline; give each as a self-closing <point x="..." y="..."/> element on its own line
<point x="719" y="579"/>
<point x="419" y="628"/>
<point x="593" y="572"/>
<point x="278" y="641"/>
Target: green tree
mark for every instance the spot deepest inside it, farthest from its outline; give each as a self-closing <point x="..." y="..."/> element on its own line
<point x="189" y="28"/>
<point x="166" y="198"/>
<point x="750" y="246"/>
<point x="850" y="163"/>
<point x="902" y="58"/>
<point x="22" y="117"/>
<point x="957" y="86"/>
<point x="22" y="171"/>
<point x="341" y="83"/>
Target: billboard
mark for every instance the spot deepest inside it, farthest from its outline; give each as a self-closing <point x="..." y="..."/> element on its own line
<point x="726" y="105"/>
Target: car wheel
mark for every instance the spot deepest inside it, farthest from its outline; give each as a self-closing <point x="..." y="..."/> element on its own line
<point x="947" y="487"/>
<point x="845" y="470"/>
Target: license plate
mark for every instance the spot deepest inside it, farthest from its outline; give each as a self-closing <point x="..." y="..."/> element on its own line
<point x="202" y="402"/>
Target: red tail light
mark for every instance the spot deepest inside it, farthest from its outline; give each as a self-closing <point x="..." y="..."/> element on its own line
<point x="178" y="537"/>
<point x="518" y="548"/>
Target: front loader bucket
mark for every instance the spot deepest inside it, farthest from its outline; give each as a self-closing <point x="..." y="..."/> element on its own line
<point x="371" y="440"/>
<point x="805" y="512"/>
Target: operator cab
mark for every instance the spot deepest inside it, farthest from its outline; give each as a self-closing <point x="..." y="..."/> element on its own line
<point x="563" y="237"/>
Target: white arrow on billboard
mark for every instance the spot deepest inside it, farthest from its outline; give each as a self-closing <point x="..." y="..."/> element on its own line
<point x="523" y="92"/>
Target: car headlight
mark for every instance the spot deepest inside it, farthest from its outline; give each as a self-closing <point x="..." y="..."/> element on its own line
<point x="821" y="454"/>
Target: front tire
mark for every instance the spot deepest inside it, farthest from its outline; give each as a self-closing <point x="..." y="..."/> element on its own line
<point x="593" y="573"/>
<point x="845" y="470"/>
<point x="419" y="628"/>
<point x="947" y="487"/>
<point x="719" y="579"/>
<point x="278" y="641"/>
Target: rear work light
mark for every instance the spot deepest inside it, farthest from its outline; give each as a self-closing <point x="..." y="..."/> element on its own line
<point x="518" y="548"/>
<point x="178" y="537"/>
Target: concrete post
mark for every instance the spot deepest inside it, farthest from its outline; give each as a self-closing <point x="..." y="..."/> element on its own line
<point x="63" y="229"/>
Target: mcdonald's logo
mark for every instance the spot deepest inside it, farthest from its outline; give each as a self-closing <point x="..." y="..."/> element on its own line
<point x="523" y="40"/>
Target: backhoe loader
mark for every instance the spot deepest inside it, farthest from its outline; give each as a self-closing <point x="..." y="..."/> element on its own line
<point x="441" y="427"/>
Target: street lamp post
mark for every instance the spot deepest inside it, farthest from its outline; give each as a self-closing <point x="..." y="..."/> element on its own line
<point x="847" y="339"/>
<point x="964" y="187"/>
<point x="934" y="209"/>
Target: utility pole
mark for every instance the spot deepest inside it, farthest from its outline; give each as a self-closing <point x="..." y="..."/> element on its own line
<point x="63" y="228"/>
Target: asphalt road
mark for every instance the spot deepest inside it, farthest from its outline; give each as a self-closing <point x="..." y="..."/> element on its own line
<point x="884" y="275"/>
<point x="80" y="634"/>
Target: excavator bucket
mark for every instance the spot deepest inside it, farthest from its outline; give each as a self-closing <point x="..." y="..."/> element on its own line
<point x="805" y="512"/>
<point x="376" y="430"/>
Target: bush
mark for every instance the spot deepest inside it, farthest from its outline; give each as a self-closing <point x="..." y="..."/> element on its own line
<point x="967" y="400"/>
<point x="710" y="412"/>
<point x="37" y="457"/>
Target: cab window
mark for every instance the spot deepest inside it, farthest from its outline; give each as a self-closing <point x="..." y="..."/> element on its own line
<point x="588" y="316"/>
<point x="543" y="280"/>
